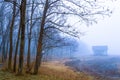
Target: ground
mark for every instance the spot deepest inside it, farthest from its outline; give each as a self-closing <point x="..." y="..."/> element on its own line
<point x="101" y="67"/>
<point x="84" y="68"/>
<point x="54" y="70"/>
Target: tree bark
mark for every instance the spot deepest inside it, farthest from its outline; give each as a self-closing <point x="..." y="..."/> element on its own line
<point x="29" y="39"/>
<point x="39" y="46"/>
<point x="3" y="51"/>
<point x="22" y="40"/>
<point x="11" y="37"/>
<point x="16" y="51"/>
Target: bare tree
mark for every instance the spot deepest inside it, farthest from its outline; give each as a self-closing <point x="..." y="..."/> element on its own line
<point x="5" y="17"/>
<point x="11" y="36"/>
<point x="30" y="36"/>
<point x="56" y="13"/>
<point x="45" y="18"/>
<point x="16" y="51"/>
<point x="22" y="40"/>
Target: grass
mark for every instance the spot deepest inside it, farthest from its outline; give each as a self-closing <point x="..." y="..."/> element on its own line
<point x="54" y="70"/>
<point x="10" y="76"/>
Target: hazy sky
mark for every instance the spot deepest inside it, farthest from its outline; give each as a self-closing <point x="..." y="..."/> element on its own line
<point x="106" y="32"/>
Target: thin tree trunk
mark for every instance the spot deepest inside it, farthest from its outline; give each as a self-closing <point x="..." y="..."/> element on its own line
<point x="11" y="37"/>
<point x="39" y="46"/>
<point x="3" y="52"/>
<point x="16" y="51"/>
<point x="22" y="41"/>
<point x="29" y="41"/>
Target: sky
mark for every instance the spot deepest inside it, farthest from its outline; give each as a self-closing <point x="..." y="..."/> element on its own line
<point x="105" y="32"/>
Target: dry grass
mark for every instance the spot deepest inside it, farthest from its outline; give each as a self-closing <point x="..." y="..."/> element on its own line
<point x="58" y="69"/>
<point x="54" y="70"/>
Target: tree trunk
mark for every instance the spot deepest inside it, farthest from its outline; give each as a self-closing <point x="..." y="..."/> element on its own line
<point x="11" y="37"/>
<point x="22" y="41"/>
<point x="28" y="56"/>
<point x="3" y="52"/>
<point x="39" y="46"/>
<point x="16" y="51"/>
<point x="29" y="39"/>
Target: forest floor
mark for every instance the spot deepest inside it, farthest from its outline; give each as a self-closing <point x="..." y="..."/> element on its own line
<point x="54" y="70"/>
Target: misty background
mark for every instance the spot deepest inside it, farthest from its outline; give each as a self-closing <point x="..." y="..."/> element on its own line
<point x="105" y="32"/>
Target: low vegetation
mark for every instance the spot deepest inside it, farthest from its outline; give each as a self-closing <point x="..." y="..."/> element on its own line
<point x="54" y="70"/>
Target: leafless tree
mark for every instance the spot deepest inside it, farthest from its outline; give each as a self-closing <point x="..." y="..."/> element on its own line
<point x="22" y="35"/>
<point x="56" y="12"/>
<point x="40" y="22"/>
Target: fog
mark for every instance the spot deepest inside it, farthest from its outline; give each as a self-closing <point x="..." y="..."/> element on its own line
<point x="105" y="32"/>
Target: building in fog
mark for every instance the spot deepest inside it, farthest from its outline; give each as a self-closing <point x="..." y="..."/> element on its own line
<point x="100" y="50"/>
